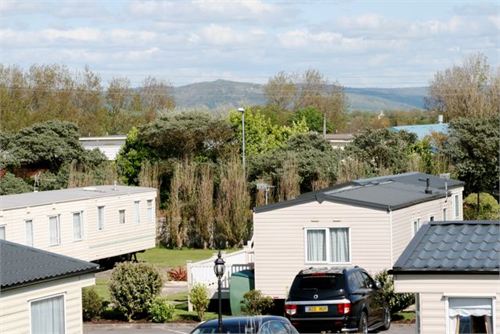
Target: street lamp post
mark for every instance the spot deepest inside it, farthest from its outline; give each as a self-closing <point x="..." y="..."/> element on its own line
<point x="219" y="269"/>
<point x="242" y="111"/>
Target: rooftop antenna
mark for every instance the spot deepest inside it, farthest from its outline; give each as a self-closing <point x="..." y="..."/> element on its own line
<point x="427" y="186"/>
<point x="446" y="191"/>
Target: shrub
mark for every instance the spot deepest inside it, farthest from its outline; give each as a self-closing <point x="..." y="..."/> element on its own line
<point x="489" y="209"/>
<point x="254" y="303"/>
<point x="396" y="301"/>
<point x="161" y="310"/>
<point x="199" y="298"/>
<point x="177" y="274"/>
<point x="133" y="287"/>
<point x="92" y="304"/>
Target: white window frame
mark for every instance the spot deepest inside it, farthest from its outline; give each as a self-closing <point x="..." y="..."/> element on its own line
<point x="137" y="212"/>
<point x="150" y="210"/>
<point x="82" y="230"/>
<point x="101" y="222"/>
<point x="416" y="222"/>
<point x="58" y="220"/>
<point x="327" y="245"/>
<point x="26" y="232"/>
<point x="485" y="296"/>
<point x="456" y="205"/>
<point x="48" y="297"/>
<point x="124" y="216"/>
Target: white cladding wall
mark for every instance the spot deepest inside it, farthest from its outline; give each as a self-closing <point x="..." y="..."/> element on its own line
<point x="114" y="239"/>
<point x="15" y="304"/>
<point x="435" y="289"/>
<point x="402" y="220"/>
<point x="375" y="244"/>
<point x="280" y="246"/>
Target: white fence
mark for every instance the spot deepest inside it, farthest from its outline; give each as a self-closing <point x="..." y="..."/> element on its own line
<point x="202" y="272"/>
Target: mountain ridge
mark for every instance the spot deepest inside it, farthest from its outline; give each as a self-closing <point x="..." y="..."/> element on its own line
<point x="226" y="94"/>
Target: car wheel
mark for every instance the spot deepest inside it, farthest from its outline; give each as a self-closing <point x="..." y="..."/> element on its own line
<point x="387" y="319"/>
<point x="363" y="324"/>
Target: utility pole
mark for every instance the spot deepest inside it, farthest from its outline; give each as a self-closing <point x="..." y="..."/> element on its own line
<point x="242" y="111"/>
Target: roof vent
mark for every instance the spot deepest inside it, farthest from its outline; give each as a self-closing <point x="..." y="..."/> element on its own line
<point x="427" y="186"/>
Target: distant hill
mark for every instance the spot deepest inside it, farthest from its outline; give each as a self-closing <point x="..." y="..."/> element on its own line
<point x="229" y="94"/>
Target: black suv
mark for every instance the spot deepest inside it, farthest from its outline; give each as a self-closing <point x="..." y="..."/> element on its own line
<point x="336" y="299"/>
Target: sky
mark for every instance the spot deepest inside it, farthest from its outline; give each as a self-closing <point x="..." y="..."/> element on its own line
<point x="357" y="43"/>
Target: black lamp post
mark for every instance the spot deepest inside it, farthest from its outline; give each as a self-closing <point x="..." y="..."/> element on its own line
<point x="219" y="269"/>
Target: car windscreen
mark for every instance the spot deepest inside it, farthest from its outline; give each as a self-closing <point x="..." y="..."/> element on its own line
<point x="324" y="286"/>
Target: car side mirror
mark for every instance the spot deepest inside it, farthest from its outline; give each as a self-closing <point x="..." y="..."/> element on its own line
<point x="379" y="285"/>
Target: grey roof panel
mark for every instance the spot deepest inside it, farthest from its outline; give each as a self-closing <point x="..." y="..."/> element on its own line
<point x="22" y="265"/>
<point x="31" y="199"/>
<point x="391" y="192"/>
<point x="453" y="246"/>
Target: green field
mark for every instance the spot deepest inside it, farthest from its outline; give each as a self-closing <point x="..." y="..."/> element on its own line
<point x="165" y="258"/>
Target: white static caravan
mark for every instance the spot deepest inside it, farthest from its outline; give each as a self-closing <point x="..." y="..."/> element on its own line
<point x="91" y="223"/>
<point x="367" y="223"/>
<point x="41" y="292"/>
<point x="109" y="145"/>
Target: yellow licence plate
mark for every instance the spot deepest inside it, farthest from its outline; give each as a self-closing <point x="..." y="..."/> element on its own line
<point x="316" y="308"/>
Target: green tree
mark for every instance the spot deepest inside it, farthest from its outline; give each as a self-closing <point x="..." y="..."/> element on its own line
<point x="313" y="118"/>
<point x="489" y="209"/>
<point x="131" y="157"/>
<point x="261" y="135"/>
<point x="473" y="146"/>
<point x="190" y="134"/>
<point x="10" y="184"/>
<point x="384" y="150"/>
<point x="47" y="145"/>
<point x="469" y="90"/>
<point x="314" y="157"/>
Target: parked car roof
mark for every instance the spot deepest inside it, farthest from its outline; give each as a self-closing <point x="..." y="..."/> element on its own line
<point x="325" y="270"/>
<point x="238" y="324"/>
<point x="22" y="265"/>
<point x="466" y="247"/>
<point x="390" y="192"/>
<point x="31" y="199"/>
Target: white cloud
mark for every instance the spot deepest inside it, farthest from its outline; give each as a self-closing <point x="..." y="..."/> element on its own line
<point x="219" y="35"/>
<point x="328" y="41"/>
<point x="215" y="11"/>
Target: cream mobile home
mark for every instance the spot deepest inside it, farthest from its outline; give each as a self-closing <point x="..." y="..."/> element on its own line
<point x="366" y="222"/>
<point x="97" y="224"/>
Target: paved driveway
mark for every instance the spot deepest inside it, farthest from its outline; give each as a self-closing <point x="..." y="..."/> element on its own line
<point x="180" y="328"/>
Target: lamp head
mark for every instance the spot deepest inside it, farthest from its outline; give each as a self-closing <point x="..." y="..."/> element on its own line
<point x="219" y="266"/>
<point x="241" y="110"/>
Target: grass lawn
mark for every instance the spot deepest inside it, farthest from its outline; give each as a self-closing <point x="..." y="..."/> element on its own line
<point x="404" y="316"/>
<point x="101" y="287"/>
<point x="164" y="257"/>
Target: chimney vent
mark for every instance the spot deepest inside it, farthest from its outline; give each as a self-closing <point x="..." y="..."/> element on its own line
<point x="427" y="186"/>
